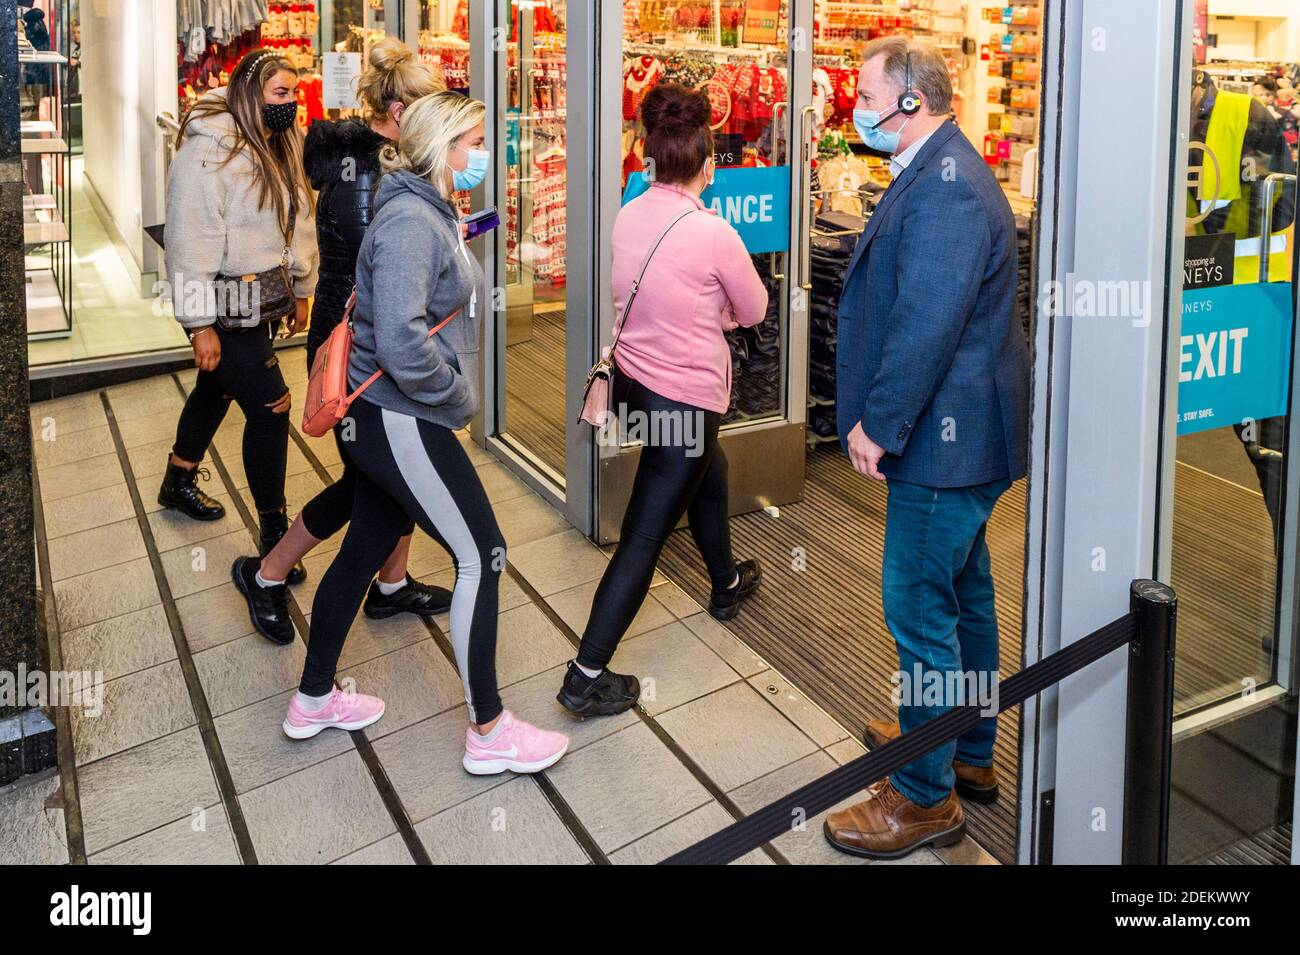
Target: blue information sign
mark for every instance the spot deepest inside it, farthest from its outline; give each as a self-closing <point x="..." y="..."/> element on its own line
<point x="755" y="200"/>
<point x="1234" y="355"/>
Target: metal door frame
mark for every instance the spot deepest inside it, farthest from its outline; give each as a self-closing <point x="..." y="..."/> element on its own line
<point x="766" y="456"/>
<point x="1106" y="213"/>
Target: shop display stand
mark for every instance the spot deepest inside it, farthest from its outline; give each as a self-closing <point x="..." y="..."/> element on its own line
<point x="47" y="205"/>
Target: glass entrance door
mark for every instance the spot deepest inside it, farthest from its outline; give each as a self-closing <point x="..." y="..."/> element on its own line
<point x="739" y="53"/>
<point x="1230" y="538"/>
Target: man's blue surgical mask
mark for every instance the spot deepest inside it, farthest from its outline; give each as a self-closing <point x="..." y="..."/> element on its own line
<point x="867" y="123"/>
<point x="475" y="170"/>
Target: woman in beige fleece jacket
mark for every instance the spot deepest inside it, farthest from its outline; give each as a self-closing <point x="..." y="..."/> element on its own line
<point x="239" y="207"/>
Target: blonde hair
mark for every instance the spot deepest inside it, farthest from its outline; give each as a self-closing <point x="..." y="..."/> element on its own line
<point x="277" y="159"/>
<point x="430" y="127"/>
<point x="393" y="75"/>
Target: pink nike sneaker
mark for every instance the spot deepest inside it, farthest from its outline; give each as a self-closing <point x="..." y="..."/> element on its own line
<point x="346" y="711"/>
<point x="517" y="746"/>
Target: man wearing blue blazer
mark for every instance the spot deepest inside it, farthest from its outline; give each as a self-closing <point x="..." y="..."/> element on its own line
<point x="933" y="399"/>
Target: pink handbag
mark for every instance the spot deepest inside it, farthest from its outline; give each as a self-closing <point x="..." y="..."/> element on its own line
<point x="328" y="399"/>
<point x="596" y="410"/>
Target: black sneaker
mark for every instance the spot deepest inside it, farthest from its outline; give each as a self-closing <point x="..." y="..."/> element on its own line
<point x="180" y="492"/>
<point x="725" y="604"/>
<point x="268" y="607"/>
<point x="274" y="525"/>
<point x="604" y="695"/>
<point x="423" y="600"/>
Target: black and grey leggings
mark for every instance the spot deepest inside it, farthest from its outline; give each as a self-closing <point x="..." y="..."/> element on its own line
<point x="411" y="470"/>
<point x="673" y="477"/>
<point x="249" y="373"/>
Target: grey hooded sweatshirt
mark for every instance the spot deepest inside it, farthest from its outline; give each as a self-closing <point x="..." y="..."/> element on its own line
<point x="413" y="271"/>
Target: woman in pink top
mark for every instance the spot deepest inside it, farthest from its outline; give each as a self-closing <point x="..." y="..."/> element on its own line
<point x="672" y="384"/>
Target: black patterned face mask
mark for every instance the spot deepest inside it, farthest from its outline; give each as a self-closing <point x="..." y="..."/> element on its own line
<point x="277" y="117"/>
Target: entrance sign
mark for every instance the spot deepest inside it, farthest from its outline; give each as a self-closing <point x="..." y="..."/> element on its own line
<point x="755" y="200"/>
<point x="1234" y="355"/>
<point x="339" y="75"/>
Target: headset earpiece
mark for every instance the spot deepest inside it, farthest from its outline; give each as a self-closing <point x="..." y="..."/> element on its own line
<point x="909" y="101"/>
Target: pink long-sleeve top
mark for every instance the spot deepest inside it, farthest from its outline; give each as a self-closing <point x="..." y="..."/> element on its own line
<point x="700" y="278"/>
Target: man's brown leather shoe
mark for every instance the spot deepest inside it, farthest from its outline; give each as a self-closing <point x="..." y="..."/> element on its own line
<point x="976" y="783"/>
<point x="888" y="825"/>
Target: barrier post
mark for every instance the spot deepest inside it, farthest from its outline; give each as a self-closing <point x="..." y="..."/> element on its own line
<point x="1148" y="741"/>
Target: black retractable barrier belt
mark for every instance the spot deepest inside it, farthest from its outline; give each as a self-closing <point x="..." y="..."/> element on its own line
<point x="821" y="794"/>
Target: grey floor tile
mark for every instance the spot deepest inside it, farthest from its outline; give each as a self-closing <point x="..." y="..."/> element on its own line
<point x="213" y="617"/>
<point x="121" y="645"/>
<point x="558" y="562"/>
<point x="325" y="450"/>
<point x="673" y="665"/>
<point x="96" y="549"/>
<point x="257" y="750"/>
<point x="83" y="511"/>
<point x="675" y="600"/>
<point x="500" y="484"/>
<point x="150" y="461"/>
<point x="427" y="556"/>
<point x="805" y="844"/>
<point x="144" y="788"/>
<point x="30" y="833"/>
<point x="172" y="529"/>
<point x="317" y="815"/>
<point x="196" y="567"/>
<point x="966" y="852"/>
<point x="316" y="563"/>
<point x="575" y="605"/>
<point x="148" y="429"/>
<point x="476" y="454"/>
<point x="527" y="644"/>
<point x="70" y="413"/>
<point x="248" y="670"/>
<point x="136" y="708"/>
<point x="528" y="518"/>
<point x="57" y="447"/>
<point x="373" y="638"/>
<point x="725" y="644"/>
<point x="735" y="735"/>
<point x="680" y="834"/>
<point x="68" y="480"/>
<point x="414" y="682"/>
<point x="846" y="750"/>
<point x="388" y="851"/>
<point x="104" y="594"/>
<point x="423" y="761"/>
<point x="149" y="396"/>
<point x="534" y="700"/>
<point x="801" y="711"/>
<point x="512" y="824"/>
<point x="201" y="838"/>
<point x="626" y="785"/>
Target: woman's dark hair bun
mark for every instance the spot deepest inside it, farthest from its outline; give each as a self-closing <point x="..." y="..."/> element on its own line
<point x="671" y="106"/>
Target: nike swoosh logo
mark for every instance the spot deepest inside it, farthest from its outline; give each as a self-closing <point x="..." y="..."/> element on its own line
<point x="511" y="754"/>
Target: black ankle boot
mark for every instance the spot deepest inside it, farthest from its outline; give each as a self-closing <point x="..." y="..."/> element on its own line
<point x="725" y="603"/>
<point x="275" y="525"/>
<point x="180" y="492"/>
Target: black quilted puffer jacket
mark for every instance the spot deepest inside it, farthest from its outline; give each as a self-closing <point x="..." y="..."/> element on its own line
<point x="342" y="161"/>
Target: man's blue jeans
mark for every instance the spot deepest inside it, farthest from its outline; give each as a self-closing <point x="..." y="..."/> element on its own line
<point x="938" y="600"/>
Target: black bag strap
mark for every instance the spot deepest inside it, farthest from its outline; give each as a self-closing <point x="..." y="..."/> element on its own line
<point x="636" y="283"/>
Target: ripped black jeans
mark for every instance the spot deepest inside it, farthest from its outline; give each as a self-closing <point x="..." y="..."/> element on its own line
<point x="249" y="373"/>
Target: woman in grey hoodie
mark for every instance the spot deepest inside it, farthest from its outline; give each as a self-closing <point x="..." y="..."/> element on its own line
<point x="239" y="215"/>
<point x="413" y="272"/>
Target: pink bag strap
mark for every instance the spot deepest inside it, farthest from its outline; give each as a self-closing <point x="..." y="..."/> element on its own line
<point x="347" y="317"/>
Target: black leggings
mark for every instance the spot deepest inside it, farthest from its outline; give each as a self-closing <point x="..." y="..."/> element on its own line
<point x="249" y="372"/>
<point x="682" y="470"/>
<point x="411" y="470"/>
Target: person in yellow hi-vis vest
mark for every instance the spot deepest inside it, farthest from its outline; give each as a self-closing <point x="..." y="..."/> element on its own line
<point x="1236" y="144"/>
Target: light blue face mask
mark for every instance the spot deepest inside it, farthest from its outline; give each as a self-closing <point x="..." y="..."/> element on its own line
<point x="475" y="170"/>
<point x="866" y="122"/>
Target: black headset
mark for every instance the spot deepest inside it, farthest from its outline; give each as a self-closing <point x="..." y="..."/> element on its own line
<point x="909" y="101"/>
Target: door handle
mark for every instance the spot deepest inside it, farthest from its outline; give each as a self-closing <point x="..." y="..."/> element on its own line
<point x="1267" y="192"/>
<point x="777" y="108"/>
<point x="805" y="197"/>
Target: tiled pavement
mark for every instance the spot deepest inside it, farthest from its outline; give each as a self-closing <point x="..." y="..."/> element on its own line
<point x="187" y="763"/>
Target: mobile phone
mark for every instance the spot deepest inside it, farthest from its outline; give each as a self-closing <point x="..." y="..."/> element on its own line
<point x="482" y="221"/>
